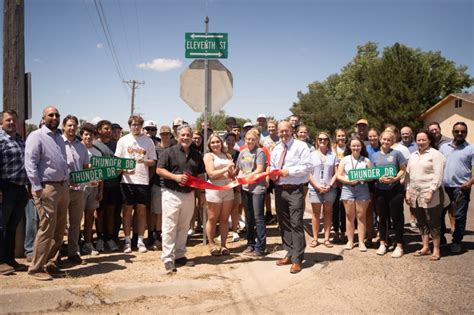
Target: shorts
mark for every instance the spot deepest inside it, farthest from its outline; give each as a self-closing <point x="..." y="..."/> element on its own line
<point x="328" y="197"/>
<point x="219" y="196"/>
<point x="111" y="196"/>
<point x="90" y="198"/>
<point x="156" y="206"/>
<point x="357" y="192"/>
<point x="135" y="194"/>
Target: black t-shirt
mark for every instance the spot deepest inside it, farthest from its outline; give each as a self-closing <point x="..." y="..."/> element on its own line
<point x="157" y="180"/>
<point x="175" y="161"/>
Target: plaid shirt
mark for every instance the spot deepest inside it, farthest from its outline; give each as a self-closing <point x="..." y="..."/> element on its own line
<point x="12" y="159"/>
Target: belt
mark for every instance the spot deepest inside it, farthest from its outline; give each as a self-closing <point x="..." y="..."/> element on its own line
<point x="53" y="182"/>
<point x="288" y="186"/>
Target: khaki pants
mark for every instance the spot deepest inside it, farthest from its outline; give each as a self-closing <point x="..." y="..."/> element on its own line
<point x="75" y="212"/>
<point x="178" y="209"/>
<point x="52" y="214"/>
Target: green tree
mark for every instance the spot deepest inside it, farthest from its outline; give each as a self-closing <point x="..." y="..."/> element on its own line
<point x="217" y="120"/>
<point x="394" y="87"/>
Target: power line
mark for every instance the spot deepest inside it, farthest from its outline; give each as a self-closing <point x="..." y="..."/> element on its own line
<point x="125" y="34"/>
<point x="133" y="85"/>
<point x="139" y="37"/>
<point x="89" y="15"/>
<point x="108" y="37"/>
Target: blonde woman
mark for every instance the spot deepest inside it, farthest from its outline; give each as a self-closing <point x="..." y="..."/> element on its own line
<point x="389" y="193"/>
<point x="321" y="191"/>
<point x="220" y="169"/>
<point x="252" y="160"/>
<point x="355" y="193"/>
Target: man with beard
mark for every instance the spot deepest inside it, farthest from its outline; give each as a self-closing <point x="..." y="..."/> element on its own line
<point x="47" y="170"/>
<point x="178" y="200"/>
<point x="13" y="193"/>
<point x="458" y="179"/>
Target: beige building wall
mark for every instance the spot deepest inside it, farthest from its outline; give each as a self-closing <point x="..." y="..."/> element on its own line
<point x="447" y="116"/>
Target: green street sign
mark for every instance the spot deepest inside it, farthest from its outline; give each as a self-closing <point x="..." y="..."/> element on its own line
<point x="119" y="163"/>
<point x="206" y="46"/>
<point x="372" y="173"/>
<point x="93" y="174"/>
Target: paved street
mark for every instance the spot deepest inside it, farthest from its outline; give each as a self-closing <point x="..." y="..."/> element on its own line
<point x="332" y="281"/>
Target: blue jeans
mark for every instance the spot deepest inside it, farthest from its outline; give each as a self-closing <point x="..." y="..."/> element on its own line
<point x="31" y="218"/>
<point x="256" y="230"/>
<point x="460" y="212"/>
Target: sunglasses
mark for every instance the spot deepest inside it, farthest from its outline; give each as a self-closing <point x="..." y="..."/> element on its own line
<point x="323" y="139"/>
<point x="459" y="131"/>
<point x="150" y="129"/>
<point x="54" y="115"/>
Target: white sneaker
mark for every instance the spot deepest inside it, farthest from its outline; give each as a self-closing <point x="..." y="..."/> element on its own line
<point x="89" y="249"/>
<point x="99" y="246"/>
<point x="141" y="248"/>
<point x="362" y="247"/>
<point x="397" y="253"/>
<point x="413" y="224"/>
<point x="241" y="223"/>
<point x="112" y="245"/>
<point x="382" y="250"/>
<point x="235" y="237"/>
<point x="127" y="248"/>
<point x="191" y="232"/>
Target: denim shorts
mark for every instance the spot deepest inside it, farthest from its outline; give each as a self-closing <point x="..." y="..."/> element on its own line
<point x="316" y="197"/>
<point x="357" y="192"/>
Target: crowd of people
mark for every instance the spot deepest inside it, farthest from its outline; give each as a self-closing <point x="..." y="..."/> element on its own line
<point x="433" y="175"/>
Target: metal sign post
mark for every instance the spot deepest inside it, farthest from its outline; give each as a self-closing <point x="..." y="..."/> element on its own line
<point x="207" y="108"/>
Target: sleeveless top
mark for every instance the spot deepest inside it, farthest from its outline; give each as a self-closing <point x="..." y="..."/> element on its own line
<point x="220" y="161"/>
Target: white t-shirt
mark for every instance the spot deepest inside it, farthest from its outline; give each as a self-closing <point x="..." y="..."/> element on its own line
<point x="403" y="149"/>
<point x="137" y="148"/>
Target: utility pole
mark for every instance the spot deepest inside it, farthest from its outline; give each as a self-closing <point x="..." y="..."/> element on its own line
<point x="14" y="59"/>
<point x="133" y="85"/>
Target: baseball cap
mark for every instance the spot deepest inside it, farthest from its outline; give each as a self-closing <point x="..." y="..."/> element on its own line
<point x="178" y="122"/>
<point x="115" y="126"/>
<point x="149" y="123"/>
<point x="248" y="124"/>
<point x="262" y="116"/>
<point x="362" y="121"/>
<point x="164" y="129"/>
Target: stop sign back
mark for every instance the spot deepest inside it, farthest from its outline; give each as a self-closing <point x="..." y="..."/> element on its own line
<point x="192" y="85"/>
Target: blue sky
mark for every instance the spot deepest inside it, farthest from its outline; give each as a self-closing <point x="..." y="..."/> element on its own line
<point x="276" y="48"/>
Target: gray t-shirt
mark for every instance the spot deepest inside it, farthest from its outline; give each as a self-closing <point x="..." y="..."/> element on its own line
<point x="247" y="163"/>
<point x="394" y="157"/>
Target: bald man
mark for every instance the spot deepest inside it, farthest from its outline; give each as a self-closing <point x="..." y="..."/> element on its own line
<point x="292" y="157"/>
<point x="47" y="170"/>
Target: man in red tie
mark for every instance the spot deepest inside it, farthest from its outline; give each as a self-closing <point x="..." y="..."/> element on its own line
<point x="291" y="156"/>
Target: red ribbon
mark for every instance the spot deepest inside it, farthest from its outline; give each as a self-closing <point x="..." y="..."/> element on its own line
<point x="198" y="183"/>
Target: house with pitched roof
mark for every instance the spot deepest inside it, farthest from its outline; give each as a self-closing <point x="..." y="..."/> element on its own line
<point x="453" y="108"/>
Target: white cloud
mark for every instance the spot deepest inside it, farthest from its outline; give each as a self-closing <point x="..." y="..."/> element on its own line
<point x="37" y="60"/>
<point x="161" y="64"/>
<point x="100" y="45"/>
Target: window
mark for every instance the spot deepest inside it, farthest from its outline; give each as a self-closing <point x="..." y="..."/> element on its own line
<point x="457" y="103"/>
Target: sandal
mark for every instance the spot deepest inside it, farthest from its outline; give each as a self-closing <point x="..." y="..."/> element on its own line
<point x="328" y="244"/>
<point x="420" y="253"/>
<point x="434" y="258"/>
<point x="214" y="251"/>
<point x="314" y="243"/>
<point x="225" y="251"/>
